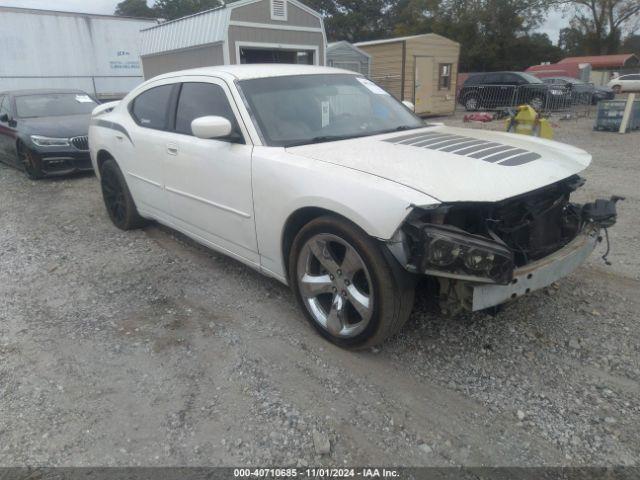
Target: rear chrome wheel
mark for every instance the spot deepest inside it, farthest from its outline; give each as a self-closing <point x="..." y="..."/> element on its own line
<point x="351" y="289"/>
<point x="335" y="285"/>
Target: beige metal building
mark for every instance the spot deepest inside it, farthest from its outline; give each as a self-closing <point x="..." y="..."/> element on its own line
<point x="246" y="31"/>
<point x="421" y="69"/>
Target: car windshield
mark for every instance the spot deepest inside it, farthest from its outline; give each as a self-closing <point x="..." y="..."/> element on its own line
<point x="574" y="81"/>
<point x="54" y="105"/>
<point x="305" y="109"/>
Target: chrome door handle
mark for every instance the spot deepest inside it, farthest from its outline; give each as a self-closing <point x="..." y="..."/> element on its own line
<point x="172" y="150"/>
<point x="119" y="137"/>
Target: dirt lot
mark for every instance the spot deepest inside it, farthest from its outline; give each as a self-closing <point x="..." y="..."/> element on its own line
<point x="145" y="349"/>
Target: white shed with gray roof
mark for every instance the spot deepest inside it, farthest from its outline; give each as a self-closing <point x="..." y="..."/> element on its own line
<point x="346" y="55"/>
<point x="246" y="31"/>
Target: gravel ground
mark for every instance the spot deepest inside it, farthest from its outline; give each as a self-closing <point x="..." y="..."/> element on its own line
<point x="145" y="349"/>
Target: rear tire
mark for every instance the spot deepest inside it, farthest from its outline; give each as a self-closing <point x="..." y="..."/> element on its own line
<point x="471" y="103"/>
<point x="117" y="197"/>
<point x="352" y="292"/>
<point x="30" y="163"/>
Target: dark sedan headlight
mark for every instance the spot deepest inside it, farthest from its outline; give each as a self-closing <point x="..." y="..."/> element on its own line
<point x="450" y="252"/>
<point x="41" y="141"/>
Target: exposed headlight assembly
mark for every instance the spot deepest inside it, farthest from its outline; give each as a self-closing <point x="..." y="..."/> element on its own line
<point x="450" y="252"/>
<point x="49" y="142"/>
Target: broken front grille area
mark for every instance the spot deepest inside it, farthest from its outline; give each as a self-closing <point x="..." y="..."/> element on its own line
<point x="533" y="225"/>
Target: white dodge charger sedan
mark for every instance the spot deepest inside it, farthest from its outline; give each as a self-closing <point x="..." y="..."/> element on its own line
<point x="323" y="180"/>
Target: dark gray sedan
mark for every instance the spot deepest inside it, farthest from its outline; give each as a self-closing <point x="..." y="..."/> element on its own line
<point x="44" y="132"/>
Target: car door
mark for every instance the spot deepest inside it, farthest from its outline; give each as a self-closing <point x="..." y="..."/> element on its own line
<point x="494" y="90"/>
<point x="208" y="181"/>
<point x="7" y="133"/>
<point x="145" y="151"/>
<point x="514" y="87"/>
<point x="634" y="83"/>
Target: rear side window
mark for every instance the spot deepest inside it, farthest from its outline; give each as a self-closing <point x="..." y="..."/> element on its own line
<point x="202" y="100"/>
<point x="150" y="109"/>
<point x="474" y="80"/>
<point x="493" y="79"/>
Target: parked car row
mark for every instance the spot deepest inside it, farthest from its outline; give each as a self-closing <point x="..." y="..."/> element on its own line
<point x="323" y="180"/>
<point x="496" y="90"/>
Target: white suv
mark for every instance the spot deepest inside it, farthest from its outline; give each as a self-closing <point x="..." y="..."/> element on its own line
<point x="626" y="83"/>
<point x="321" y="179"/>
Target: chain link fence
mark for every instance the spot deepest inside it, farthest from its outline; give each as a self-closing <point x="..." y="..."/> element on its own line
<point x="557" y="100"/>
<point x="549" y="100"/>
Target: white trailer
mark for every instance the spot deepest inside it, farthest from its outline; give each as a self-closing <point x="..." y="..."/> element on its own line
<point x="48" y="49"/>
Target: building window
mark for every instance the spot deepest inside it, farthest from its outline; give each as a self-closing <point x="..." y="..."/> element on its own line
<point x="444" y="78"/>
<point x="279" y="10"/>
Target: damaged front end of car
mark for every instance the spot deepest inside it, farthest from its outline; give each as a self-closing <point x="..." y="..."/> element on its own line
<point x="485" y="254"/>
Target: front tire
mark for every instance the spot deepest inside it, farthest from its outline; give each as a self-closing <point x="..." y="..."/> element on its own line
<point x="117" y="197"/>
<point x="351" y="292"/>
<point x="617" y="89"/>
<point x="30" y="163"/>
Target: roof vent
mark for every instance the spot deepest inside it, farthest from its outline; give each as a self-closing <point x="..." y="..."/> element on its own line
<point x="279" y="10"/>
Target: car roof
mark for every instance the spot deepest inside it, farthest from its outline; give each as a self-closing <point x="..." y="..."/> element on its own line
<point x="562" y="77"/>
<point x="253" y="71"/>
<point x="26" y="92"/>
<point x="496" y="73"/>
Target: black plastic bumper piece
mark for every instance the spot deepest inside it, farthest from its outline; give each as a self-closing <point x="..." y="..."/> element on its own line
<point x="602" y="212"/>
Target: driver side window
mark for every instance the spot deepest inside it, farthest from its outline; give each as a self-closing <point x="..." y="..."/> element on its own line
<point x="203" y="100"/>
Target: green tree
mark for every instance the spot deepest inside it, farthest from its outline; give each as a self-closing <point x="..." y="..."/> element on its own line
<point x="134" y="8"/>
<point x="354" y="20"/>
<point x="494" y="34"/>
<point x="602" y="22"/>
<point x="172" y="9"/>
<point x="631" y="44"/>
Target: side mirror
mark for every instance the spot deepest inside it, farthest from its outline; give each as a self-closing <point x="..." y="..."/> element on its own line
<point x="409" y="105"/>
<point x="211" y="127"/>
<point x="4" y="118"/>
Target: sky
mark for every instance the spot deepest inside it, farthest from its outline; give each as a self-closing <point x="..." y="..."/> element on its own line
<point x="551" y="27"/>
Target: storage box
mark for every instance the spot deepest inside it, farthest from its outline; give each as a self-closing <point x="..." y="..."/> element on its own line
<point x="610" y="113"/>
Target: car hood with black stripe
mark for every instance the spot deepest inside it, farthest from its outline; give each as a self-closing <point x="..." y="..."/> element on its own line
<point x="456" y="164"/>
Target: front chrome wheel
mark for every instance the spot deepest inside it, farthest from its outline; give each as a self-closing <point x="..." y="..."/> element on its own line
<point x="335" y="285"/>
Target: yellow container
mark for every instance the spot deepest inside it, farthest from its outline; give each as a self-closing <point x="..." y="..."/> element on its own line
<point x="527" y="122"/>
